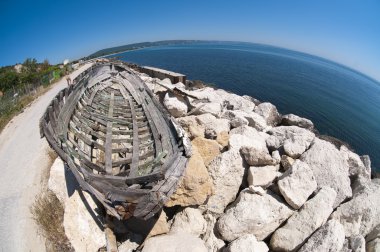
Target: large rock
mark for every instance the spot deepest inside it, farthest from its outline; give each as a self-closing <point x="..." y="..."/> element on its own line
<point x="175" y="105"/>
<point x="192" y="127"/>
<point x="329" y="168"/>
<point x="253" y="214"/>
<point x="247" y="136"/>
<point x="174" y="242"/>
<point x="303" y="223"/>
<point x="263" y="176"/>
<point x="208" y="149"/>
<point x="293" y="139"/>
<point x="257" y="156"/>
<point x="213" y="243"/>
<point x="161" y="226"/>
<point x="247" y="243"/>
<point x="297" y="184"/>
<point x="361" y="214"/>
<point x="269" y="112"/>
<point x="217" y="124"/>
<point x="253" y="119"/>
<point x="80" y="226"/>
<point x="329" y="237"/>
<point x="294" y="120"/>
<point x="226" y="171"/>
<point x="195" y="186"/>
<point x="223" y="138"/>
<point x="234" y="101"/>
<point x="57" y="181"/>
<point x="189" y="220"/>
<point x="356" y="166"/>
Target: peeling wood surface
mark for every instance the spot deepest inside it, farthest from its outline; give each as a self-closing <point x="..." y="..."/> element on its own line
<point x="117" y="139"/>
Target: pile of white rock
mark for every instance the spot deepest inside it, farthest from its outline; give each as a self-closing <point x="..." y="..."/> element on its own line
<point x="257" y="181"/>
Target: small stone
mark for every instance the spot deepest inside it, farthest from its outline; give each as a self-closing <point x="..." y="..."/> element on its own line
<point x="256" y="189"/>
<point x="286" y="162"/>
<point x="276" y="156"/>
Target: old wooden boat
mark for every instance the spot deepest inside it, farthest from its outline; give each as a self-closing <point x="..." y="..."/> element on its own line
<point x="119" y="142"/>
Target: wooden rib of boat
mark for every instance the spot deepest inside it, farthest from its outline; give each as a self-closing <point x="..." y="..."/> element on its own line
<point x="119" y="142"/>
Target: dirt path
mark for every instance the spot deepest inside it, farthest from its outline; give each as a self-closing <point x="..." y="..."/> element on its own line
<point x="23" y="158"/>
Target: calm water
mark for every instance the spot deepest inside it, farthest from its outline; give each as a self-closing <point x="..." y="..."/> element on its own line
<point x="341" y="102"/>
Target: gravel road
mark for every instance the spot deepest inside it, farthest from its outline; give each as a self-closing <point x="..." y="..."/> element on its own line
<point x="23" y="160"/>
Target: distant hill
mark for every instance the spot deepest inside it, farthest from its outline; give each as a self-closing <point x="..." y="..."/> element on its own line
<point x="134" y="46"/>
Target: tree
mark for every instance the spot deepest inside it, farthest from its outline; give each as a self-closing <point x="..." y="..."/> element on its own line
<point x="8" y="79"/>
<point x="45" y="65"/>
<point x="30" y="65"/>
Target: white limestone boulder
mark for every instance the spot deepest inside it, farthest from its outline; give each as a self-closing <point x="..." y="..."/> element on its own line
<point x="330" y="237"/>
<point x="356" y="166"/>
<point x="294" y="120"/>
<point x="212" y="242"/>
<point x="247" y="243"/>
<point x="293" y="139"/>
<point x="269" y="112"/>
<point x="248" y="137"/>
<point x="174" y="242"/>
<point x="189" y="220"/>
<point x="227" y="171"/>
<point x="81" y="228"/>
<point x="191" y="126"/>
<point x="235" y="102"/>
<point x="257" y="155"/>
<point x="253" y="214"/>
<point x="303" y="223"/>
<point x="361" y="214"/>
<point x="254" y="120"/>
<point x="263" y="175"/>
<point x="297" y="184"/>
<point x="175" y="105"/>
<point x="208" y="121"/>
<point x="57" y="181"/>
<point x="330" y="168"/>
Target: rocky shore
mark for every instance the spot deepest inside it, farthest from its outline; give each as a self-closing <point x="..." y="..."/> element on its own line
<point x="257" y="181"/>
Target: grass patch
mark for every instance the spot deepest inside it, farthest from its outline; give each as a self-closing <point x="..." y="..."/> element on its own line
<point x="47" y="211"/>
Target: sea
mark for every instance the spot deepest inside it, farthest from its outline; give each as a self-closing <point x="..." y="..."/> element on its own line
<point x="341" y="102"/>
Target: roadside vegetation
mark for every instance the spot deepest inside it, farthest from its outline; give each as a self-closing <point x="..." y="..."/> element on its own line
<point x="22" y="83"/>
<point x="47" y="211"/>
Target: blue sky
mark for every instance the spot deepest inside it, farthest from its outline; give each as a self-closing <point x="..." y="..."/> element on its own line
<point x="346" y="31"/>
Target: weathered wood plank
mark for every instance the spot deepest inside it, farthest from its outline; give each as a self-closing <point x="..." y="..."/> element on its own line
<point x="108" y="143"/>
